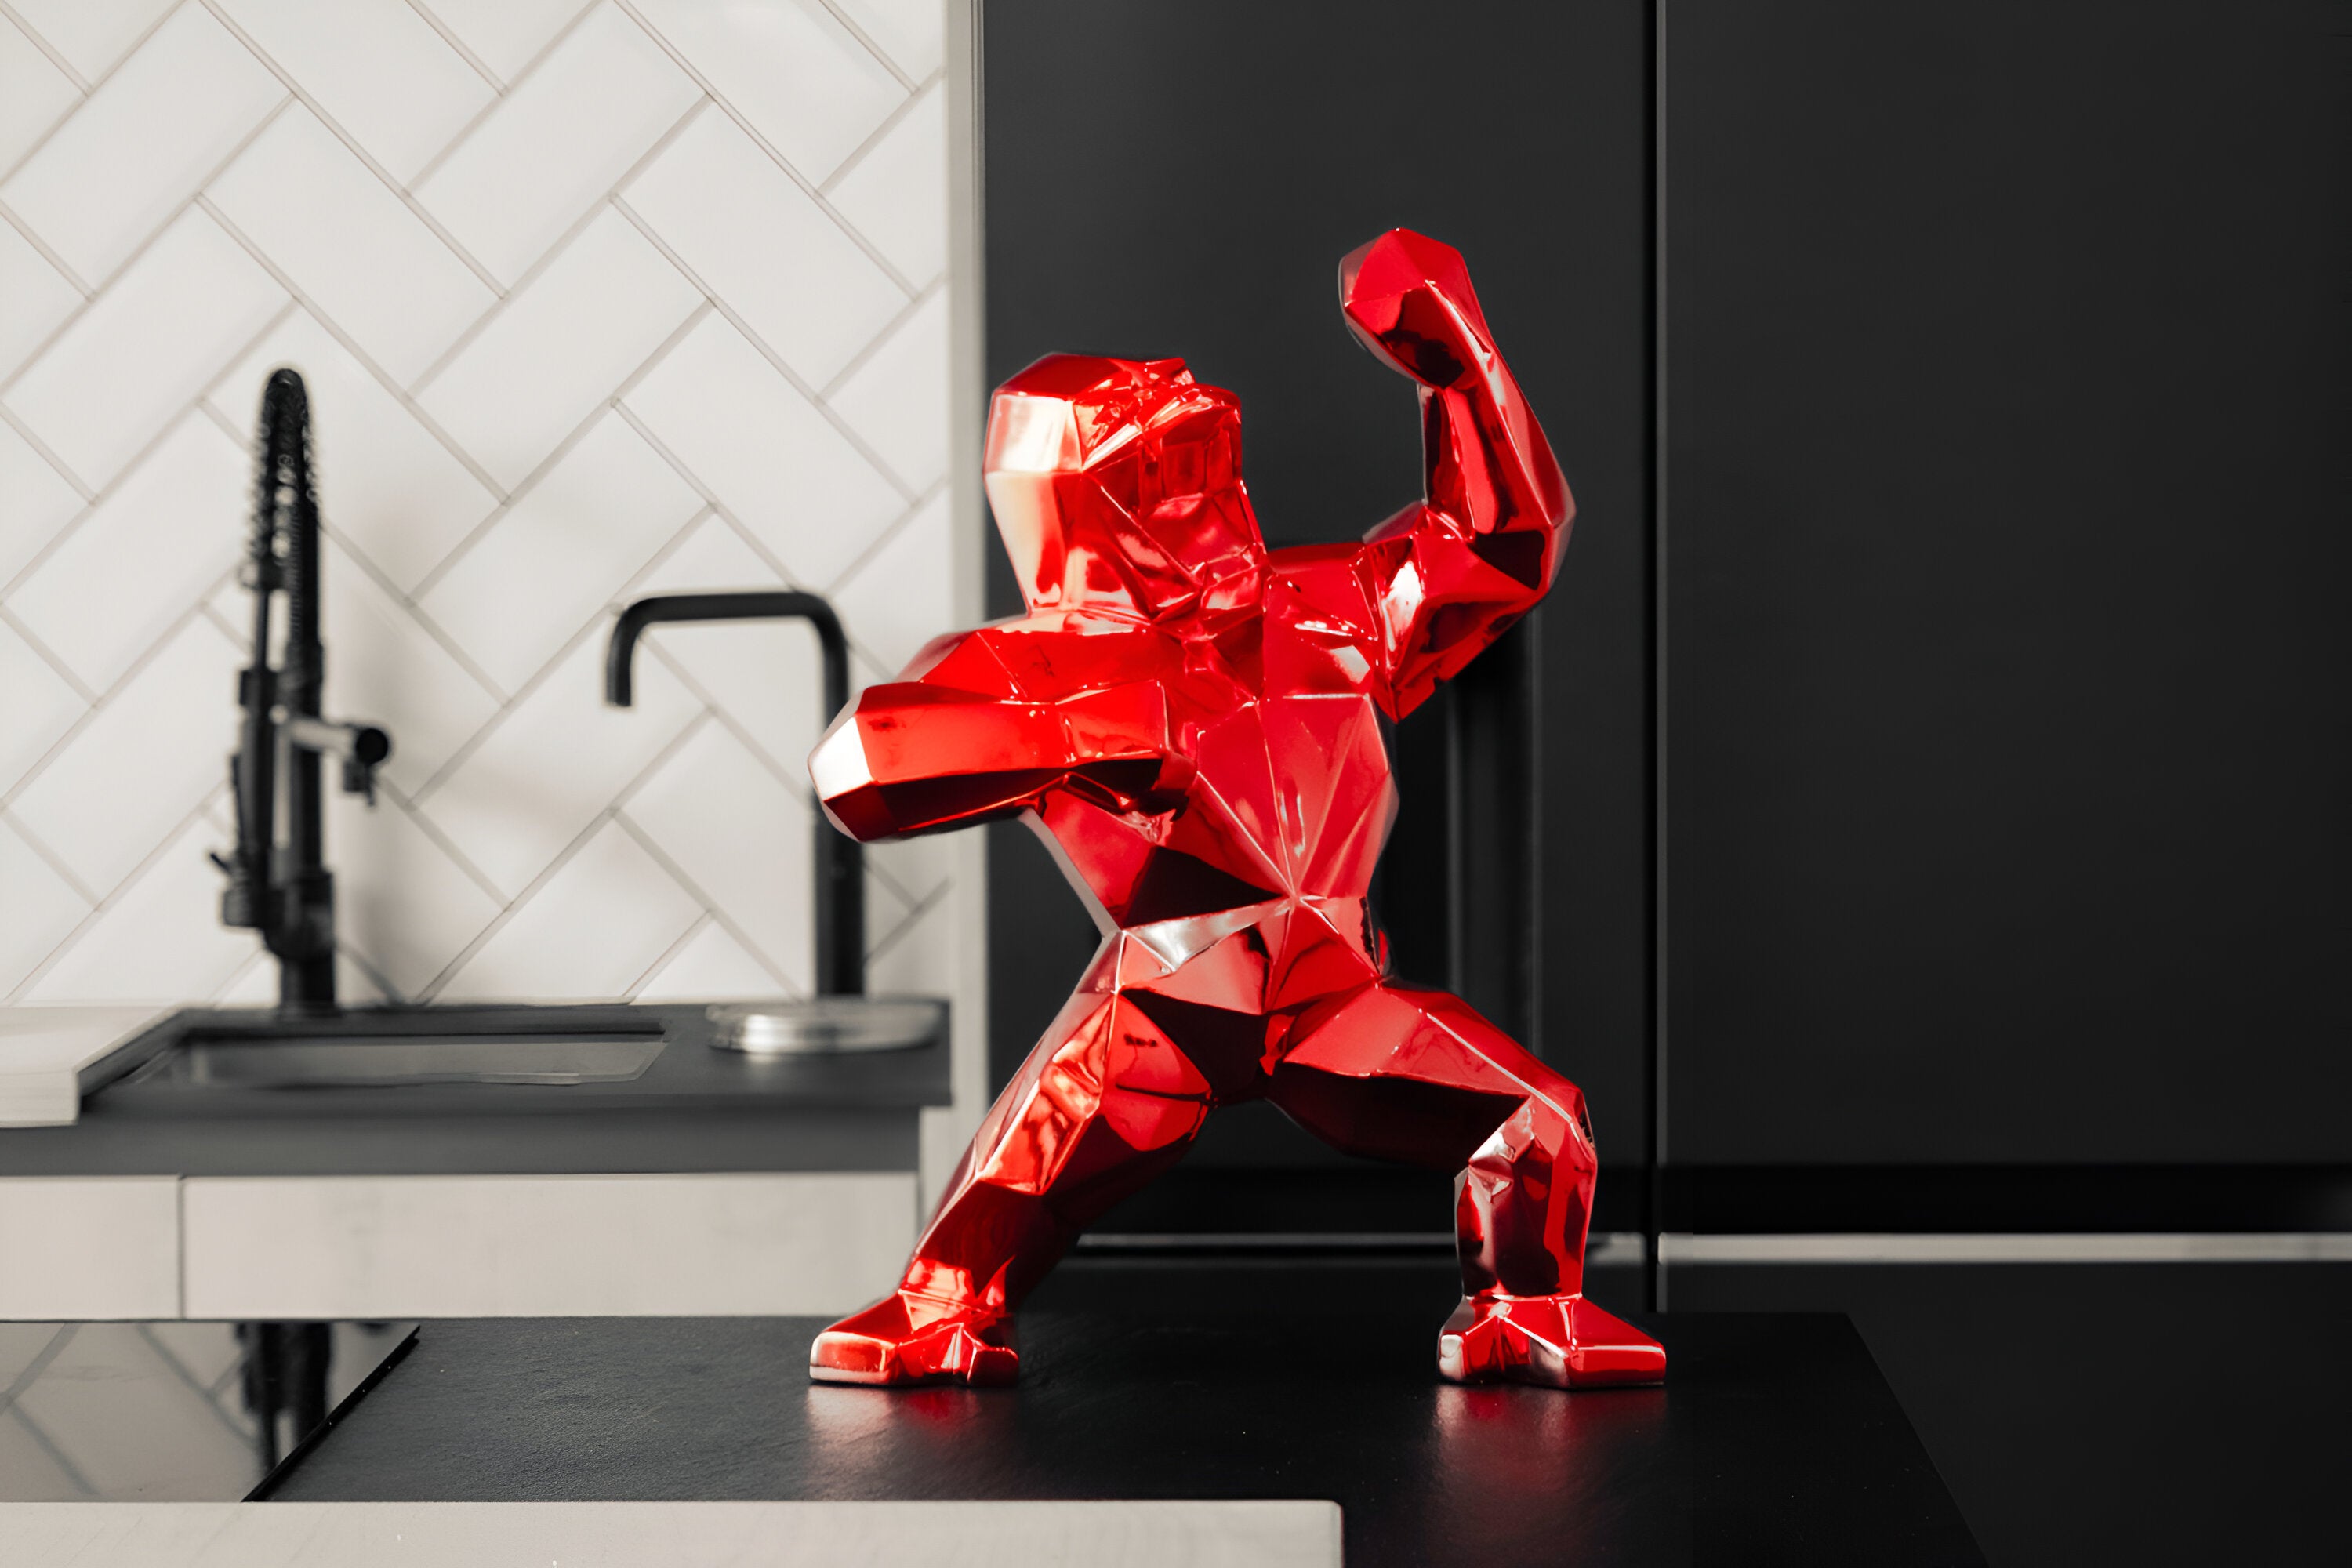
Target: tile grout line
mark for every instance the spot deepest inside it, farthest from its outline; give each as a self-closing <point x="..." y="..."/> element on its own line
<point x="431" y="627"/>
<point x="880" y="54"/>
<point x="548" y="258"/>
<point x="221" y="421"/>
<point x="784" y="368"/>
<point x="751" y="542"/>
<point x="653" y="564"/>
<point x="179" y="1368"/>
<point x="564" y="856"/>
<point x="55" y="861"/>
<point x="554" y="458"/>
<point x="883" y="537"/>
<point x="46" y="1442"/>
<point x="876" y="872"/>
<point x="88" y="91"/>
<point x="555" y="40"/>
<point x="42" y="1439"/>
<point x="137" y="44"/>
<point x="385" y="585"/>
<point x="147" y="656"/>
<point x="629" y="9"/>
<point x="114" y="898"/>
<point x="350" y="346"/>
<point x="637" y="780"/>
<point x="136" y="461"/>
<point x="253" y="960"/>
<point x="712" y="910"/>
<point x="38" y="1364"/>
<point x="881" y="133"/>
<point x="47" y="655"/>
<point x="350" y="953"/>
<point x="138" y="251"/>
<point x="442" y="841"/>
<point x="669" y="957"/>
<point x="74" y="481"/>
<point x="489" y="726"/>
<point x="227" y="628"/>
<point x="464" y="51"/>
<point x="718" y="509"/>
<point x="546" y="670"/>
<point x="694" y="927"/>
<point x="748" y="536"/>
<point x="42" y="247"/>
<point x="878" y="135"/>
<point x="350" y="143"/>
<point x="757" y="547"/>
<point x="33" y="37"/>
<point x="882" y="335"/>
<point x="729" y="721"/>
<point x="930" y="900"/>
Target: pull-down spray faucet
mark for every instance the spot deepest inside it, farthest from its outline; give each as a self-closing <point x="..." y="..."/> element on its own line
<point x="280" y="885"/>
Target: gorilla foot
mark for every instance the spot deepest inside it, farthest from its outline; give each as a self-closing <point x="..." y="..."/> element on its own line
<point x="1558" y="1341"/>
<point x="907" y="1338"/>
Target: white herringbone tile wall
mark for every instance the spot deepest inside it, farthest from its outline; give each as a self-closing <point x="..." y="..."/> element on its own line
<point x="592" y="301"/>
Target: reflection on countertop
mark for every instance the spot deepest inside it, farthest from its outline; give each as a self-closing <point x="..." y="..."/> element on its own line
<point x="174" y="1412"/>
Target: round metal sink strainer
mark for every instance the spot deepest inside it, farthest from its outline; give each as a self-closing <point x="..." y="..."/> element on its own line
<point x="827" y="1024"/>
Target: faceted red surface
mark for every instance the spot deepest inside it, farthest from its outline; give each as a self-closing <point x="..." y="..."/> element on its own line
<point x="1200" y="729"/>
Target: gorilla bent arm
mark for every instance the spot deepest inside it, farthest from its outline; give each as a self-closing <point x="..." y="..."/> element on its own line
<point x="1450" y="573"/>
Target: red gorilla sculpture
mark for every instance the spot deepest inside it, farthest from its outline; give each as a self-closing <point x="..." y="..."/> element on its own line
<point x="1199" y="728"/>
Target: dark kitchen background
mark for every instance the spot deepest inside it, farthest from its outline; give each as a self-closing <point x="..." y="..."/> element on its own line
<point x="1922" y="819"/>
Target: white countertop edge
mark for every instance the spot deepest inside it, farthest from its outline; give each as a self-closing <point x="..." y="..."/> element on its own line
<point x="44" y="1049"/>
<point x="1158" y="1535"/>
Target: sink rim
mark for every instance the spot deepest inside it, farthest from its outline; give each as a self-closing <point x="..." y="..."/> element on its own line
<point x="247" y="1062"/>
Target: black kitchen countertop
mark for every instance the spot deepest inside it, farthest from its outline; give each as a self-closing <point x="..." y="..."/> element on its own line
<point x="693" y="1109"/>
<point x="1775" y="1440"/>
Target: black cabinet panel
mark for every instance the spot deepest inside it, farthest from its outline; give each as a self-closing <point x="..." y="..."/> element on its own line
<point x="2009" y="551"/>
<point x="1183" y="180"/>
<point x="2076" y="1416"/>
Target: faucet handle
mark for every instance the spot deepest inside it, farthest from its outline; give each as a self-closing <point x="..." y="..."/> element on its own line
<point x="236" y="900"/>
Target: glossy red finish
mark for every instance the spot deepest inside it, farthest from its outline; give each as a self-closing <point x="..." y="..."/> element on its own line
<point x="1200" y="729"/>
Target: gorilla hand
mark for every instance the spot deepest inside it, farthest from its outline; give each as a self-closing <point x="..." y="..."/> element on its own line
<point x="1408" y="298"/>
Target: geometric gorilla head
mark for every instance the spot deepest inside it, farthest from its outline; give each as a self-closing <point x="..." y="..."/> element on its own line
<point x="1117" y="484"/>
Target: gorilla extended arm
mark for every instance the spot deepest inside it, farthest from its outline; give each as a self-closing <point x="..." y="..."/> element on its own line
<point x="980" y="725"/>
<point x="1450" y="573"/>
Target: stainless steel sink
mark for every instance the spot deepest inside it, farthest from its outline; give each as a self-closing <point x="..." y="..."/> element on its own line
<point x="385" y="1061"/>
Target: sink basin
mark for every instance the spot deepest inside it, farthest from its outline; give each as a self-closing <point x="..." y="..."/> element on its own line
<point x="503" y="1060"/>
<point x="387" y="1047"/>
<point x="382" y="1060"/>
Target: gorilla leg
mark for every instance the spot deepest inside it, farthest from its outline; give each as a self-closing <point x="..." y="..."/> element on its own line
<point x="1104" y="1103"/>
<point x="1402" y="1073"/>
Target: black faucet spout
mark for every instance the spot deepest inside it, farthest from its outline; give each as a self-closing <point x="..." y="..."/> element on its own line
<point x="840" y="859"/>
<point x="765" y="605"/>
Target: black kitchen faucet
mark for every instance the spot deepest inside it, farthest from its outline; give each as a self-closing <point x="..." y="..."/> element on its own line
<point x="283" y="889"/>
<point x="840" y="859"/>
